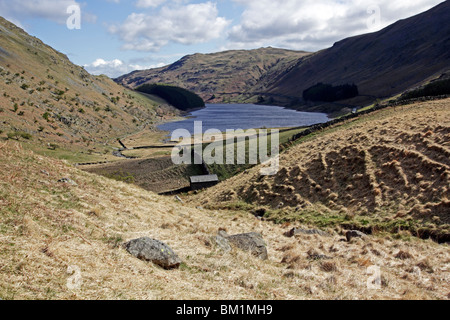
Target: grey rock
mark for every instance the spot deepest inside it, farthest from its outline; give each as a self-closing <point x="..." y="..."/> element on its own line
<point x="354" y="234"/>
<point x="177" y="198"/>
<point x="252" y="242"/>
<point x="222" y="243"/>
<point x="297" y="231"/>
<point x="153" y="251"/>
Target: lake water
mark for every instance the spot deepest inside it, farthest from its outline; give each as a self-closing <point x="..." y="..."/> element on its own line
<point x="245" y="116"/>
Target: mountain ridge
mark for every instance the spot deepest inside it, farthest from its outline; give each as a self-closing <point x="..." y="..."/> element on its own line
<point x="218" y="76"/>
<point x="382" y="64"/>
<point x="388" y="62"/>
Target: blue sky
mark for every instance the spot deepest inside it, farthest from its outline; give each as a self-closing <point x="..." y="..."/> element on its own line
<point x="119" y="36"/>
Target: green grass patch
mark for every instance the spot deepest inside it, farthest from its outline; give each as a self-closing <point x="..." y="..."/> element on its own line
<point x="121" y="176"/>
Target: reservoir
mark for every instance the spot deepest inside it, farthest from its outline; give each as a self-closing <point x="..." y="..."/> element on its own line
<point x="245" y="116"/>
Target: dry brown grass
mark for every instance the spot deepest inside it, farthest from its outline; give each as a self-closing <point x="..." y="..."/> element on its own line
<point x="391" y="167"/>
<point x="46" y="226"/>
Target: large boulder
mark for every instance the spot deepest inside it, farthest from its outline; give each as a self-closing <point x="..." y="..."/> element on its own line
<point x="154" y="251"/>
<point x="252" y="242"/>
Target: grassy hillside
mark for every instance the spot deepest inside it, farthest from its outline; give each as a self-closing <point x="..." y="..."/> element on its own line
<point x="47" y="99"/>
<point x="387" y="171"/>
<point x="222" y="76"/>
<point x="83" y="226"/>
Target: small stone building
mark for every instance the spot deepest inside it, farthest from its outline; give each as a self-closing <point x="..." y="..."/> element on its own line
<point x="203" y="182"/>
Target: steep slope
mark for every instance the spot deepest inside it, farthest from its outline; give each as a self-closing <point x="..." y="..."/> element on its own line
<point x="43" y="94"/>
<point x="223" y="75"/>
<point x="387" y="171"/>
<point x="381" y="64"/>
<point x="50" y="229"/>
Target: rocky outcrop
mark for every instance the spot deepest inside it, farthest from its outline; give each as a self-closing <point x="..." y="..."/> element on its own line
<point x="153" y="251"/>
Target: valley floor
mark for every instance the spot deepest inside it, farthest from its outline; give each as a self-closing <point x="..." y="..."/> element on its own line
<point x="48" y="227"/>
<point x="56" y="220"/>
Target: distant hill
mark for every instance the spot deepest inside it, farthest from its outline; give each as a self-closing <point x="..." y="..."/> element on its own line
<point x="222" y="76"/>
<point x="402" y="56"/>
<point x="381" y="64"/>
<point x="45" y="97"/>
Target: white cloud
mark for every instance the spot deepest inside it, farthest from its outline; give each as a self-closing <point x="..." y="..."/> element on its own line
<point x="314" y="24"/>
<point x="115" y="68"/>
<point x="189" y="24"/>
<point x="54" y="10"/>
<point x="149" y="3"/>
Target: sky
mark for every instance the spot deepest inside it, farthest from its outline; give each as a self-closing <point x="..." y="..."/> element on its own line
<point x="115" y="37"/>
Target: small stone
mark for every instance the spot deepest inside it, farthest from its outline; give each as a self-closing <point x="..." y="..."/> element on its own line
<point x="354" y="234"/>
<point x="297" y="231"/>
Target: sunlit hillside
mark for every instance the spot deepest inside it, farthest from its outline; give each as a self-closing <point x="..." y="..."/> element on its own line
<point x="46" y="99"/>
<point x="386" y="171"/>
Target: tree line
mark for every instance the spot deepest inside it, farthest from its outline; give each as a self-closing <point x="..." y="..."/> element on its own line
<point x="328" y="93"/>
<point x="435" y="88"/>
<point x="178" y="97"/>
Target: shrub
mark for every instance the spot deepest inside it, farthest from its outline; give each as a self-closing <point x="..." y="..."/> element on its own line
<point x="24" y="86"/>
<point x="19" y="134"/>
<point x="328" y="93"/>
<point x="46" y="116"/>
